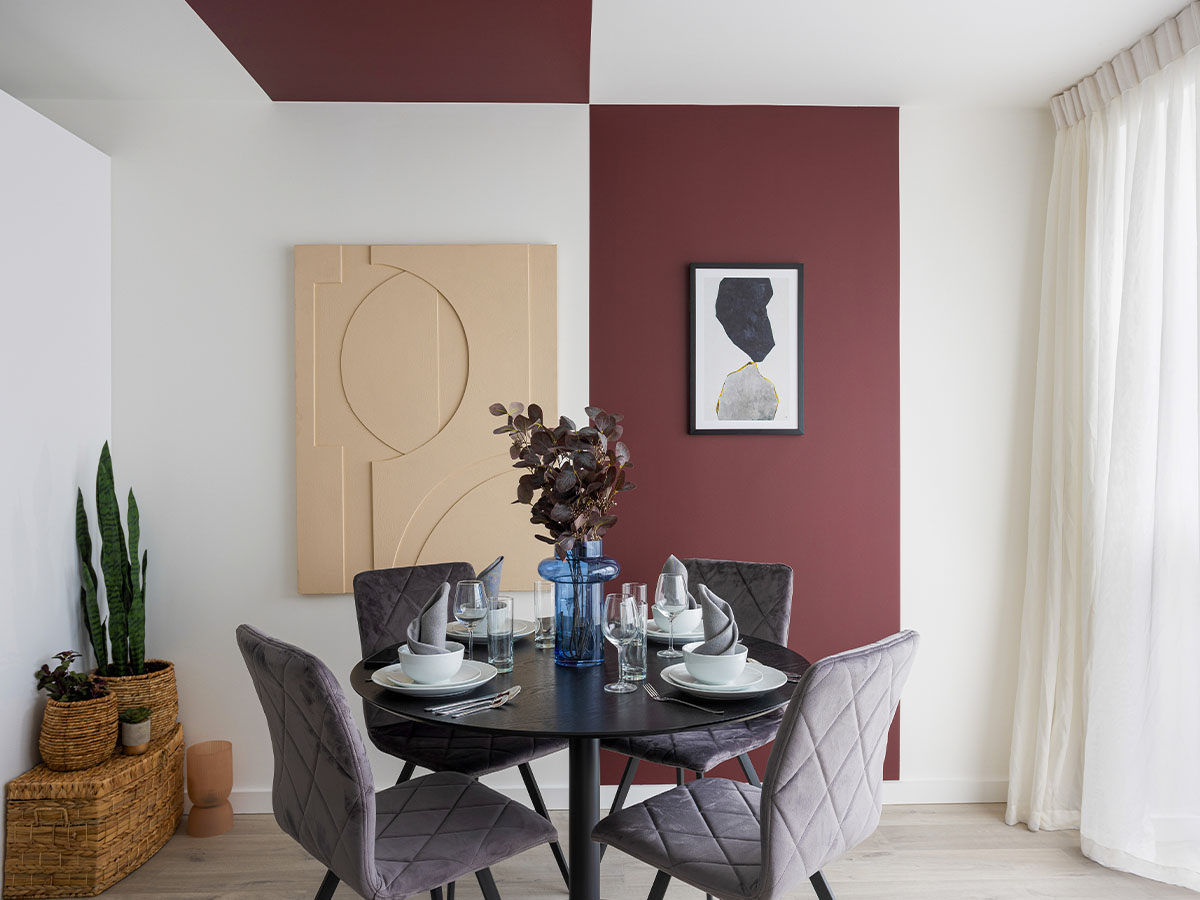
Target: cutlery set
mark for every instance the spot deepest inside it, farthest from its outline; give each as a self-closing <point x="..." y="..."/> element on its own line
<point x="478" y="704"/>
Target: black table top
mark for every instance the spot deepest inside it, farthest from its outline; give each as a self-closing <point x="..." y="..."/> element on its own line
<point x="565" y="702"/>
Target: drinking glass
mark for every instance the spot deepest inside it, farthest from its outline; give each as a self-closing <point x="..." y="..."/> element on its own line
<point x="500" y="632"/>
<point x="671" y="597"/>
<point x="620" y="627"/>
<point x="543" y="614"/>
<point x="635" y="653"/>
<point x="470" y="606"/>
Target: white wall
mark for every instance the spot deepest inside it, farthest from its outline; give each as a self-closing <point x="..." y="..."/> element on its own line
<point x="55" y="398"/>
<point x="209" y="200"/>
<point x="973" y="188"/>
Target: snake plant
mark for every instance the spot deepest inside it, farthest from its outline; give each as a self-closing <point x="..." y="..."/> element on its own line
<point x="124" y="579"/>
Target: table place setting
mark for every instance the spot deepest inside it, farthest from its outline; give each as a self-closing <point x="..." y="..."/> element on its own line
<point x="429" y="665"/>
<point x="719" y="665"/>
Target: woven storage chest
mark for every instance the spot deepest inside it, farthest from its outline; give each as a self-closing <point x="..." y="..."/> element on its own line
<point x="74" y="834"/>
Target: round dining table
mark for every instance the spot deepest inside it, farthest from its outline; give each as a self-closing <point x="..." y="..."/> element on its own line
<point x="557" y="701"/>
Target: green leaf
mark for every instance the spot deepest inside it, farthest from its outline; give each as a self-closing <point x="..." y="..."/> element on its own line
<point x="89" y="586"/>
<point x="114" y="560"/>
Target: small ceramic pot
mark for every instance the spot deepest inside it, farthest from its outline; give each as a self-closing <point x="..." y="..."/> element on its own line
<point x="135" y="737"/>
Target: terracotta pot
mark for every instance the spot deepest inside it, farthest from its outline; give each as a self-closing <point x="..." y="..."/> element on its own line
<point x="156" y="689"/>
<point x="135" y="737"/>
<point x="78" y="734"/>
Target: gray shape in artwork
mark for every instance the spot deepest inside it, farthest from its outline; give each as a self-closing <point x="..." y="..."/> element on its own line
<point x="741" y="309"/>
<point x="747" y="396"/>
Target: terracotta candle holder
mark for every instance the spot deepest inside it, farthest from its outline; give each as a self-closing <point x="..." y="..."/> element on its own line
<point x="209" y="783"/>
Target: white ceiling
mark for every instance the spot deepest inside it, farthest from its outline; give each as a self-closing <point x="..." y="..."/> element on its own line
<point x="858" y="52"/>
<point x="835" y="52"/>
<point x="115" y="50"/>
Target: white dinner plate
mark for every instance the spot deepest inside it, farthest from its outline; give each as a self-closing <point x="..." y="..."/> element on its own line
<point x="521" y="628"/>
<point x="470" y="676"/>
<point x="772" y="680"/>
<point x="748" y="678"/>
<point x="654" y="633"/>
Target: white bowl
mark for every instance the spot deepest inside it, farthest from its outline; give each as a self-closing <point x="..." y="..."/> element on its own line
<point x="431" y="668"/>
<point x="687" y="622"/>
<point x="714" y="669"/>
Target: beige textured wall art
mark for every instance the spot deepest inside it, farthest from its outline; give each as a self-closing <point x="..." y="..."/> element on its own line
<point x="399" y="352"/>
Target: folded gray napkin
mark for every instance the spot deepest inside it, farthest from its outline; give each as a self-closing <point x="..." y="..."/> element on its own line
<point x="427" y="630"/>
<point x="674" y="567"/>
<point x="491" y="577"/>
<point x="720" y="628"/>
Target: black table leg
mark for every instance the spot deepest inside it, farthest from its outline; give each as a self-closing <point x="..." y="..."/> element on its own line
<point x="584" y="812"/>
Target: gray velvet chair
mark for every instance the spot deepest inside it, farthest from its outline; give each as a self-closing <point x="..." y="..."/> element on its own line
<point x="819" y="799"/>
<point x="405" y="840"/>
<point x="385" y="601"/>
<point x="761" y="597"/>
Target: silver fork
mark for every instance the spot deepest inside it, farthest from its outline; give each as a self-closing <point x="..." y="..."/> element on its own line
<point x="463" y="704"/>
<point x="495" y="704"/>
<point x="655" y="695"/>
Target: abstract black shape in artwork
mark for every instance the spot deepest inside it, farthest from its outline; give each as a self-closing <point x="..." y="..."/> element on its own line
<point x="741" y="309"/>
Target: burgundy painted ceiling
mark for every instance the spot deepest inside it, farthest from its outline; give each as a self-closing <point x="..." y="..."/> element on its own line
<point x="470" y="51"/>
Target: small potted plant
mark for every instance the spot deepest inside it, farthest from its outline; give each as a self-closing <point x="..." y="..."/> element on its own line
<point x="79" y="726"/>
<point x="135" y="730"/>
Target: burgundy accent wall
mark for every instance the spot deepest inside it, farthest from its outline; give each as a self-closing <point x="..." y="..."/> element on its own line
<point x="671" y="185"/>
<point x="470" y="51"/>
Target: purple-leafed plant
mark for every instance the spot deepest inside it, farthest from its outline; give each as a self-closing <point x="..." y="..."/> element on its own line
<point x="66" y="686"/>
<point x="573" y="474"/>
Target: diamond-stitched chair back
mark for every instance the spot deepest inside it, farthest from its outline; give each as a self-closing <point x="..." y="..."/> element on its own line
<point x="322" y="792"/>
<point x="821" y="794"/>
<point x="760" y="593"/>
<point x="386" y="600"/>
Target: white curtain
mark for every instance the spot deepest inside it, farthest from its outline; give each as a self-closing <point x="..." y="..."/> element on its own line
<point x="1107" y="729"/>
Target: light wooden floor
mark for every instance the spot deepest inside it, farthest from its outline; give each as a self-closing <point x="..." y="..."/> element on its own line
<point x="963" y="852"/>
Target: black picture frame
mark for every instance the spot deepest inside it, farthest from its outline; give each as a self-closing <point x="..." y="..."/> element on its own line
<point x="695" y="425"/>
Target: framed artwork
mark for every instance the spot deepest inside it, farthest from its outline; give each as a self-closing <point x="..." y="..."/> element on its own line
<point x="747" y="349"/>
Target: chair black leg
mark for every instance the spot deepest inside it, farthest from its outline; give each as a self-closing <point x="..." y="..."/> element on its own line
<point x="539" y="806"/>
<point x="659" y="888"/>
<point x="821" y="886"/>
<point x="679" y="776"/>
<point x="435" y="894"/>
<point x="748" y="768"/>
<point x="328" y="886"/>
<point x="406" y="772"/>
<point x="622" y="792"/>
<point x="487" y="884"/>
<point x="450" y="891"/>
<point x="699" y="774"/>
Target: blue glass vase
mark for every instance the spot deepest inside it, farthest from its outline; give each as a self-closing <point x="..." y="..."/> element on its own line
<point x="579" y="602"/>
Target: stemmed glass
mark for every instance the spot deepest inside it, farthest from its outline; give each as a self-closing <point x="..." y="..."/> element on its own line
<point x="620" y="627"/>
<point x="670" y="596"/>
<point x="470" y="606"/>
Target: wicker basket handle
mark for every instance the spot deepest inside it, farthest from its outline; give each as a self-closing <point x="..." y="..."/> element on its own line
<point x="54" y="810"/>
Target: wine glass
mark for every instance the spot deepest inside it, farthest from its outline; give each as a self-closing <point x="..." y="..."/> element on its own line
<point x="470" y="606"/>
<point x="671" y="597"/>
<point x="620" y="627"/>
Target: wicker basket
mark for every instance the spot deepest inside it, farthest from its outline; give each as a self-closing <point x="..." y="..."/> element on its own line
<point x="75" y="834"/>
<point x="79" y="734"/>
<point x="155" y="689"/>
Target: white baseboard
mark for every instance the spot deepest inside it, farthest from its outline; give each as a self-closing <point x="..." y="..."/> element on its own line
<point x="944" y="791"/>
<point x="894" y="792"/>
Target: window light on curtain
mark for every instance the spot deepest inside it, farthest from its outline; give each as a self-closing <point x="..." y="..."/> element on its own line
<point x="1107" y="727"/>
